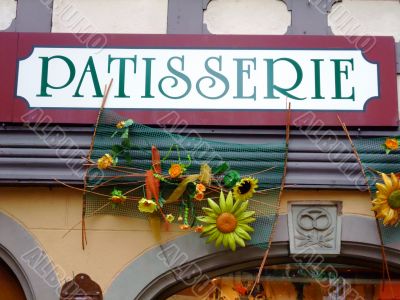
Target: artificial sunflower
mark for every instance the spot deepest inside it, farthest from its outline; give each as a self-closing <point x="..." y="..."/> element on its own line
<point x="387" y="200"/>
<point x="227" y="223"/>
<point x="245" y="188"/>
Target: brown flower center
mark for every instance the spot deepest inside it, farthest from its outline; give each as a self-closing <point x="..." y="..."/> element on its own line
<point x="244" y="187"/>
<point x="394" y="199"/>
<point x="226" y="222"/>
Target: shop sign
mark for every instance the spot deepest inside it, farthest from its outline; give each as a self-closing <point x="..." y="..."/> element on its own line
<point x="227" y="80"/>
<point x="198" y="79"/>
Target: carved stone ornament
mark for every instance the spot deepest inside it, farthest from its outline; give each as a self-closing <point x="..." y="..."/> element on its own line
<point x="315" y="227"/>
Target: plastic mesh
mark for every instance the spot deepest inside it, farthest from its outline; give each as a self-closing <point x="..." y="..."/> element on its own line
<point x="374" y="158"/>
<point x="262" y="161"/>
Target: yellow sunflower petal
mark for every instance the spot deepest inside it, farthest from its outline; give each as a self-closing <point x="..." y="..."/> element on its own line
<point x="239" y="240"/>
<point x="379" y="201"/>
<point x="246" y="215"/>
<point x="382" y="188"/>
<point x="232" y="241"/>
<point x="387" y="181"/>
<point x="225" y="240"/>
<point x="229" y="202"/>
<point x="214" y="206"/>
<point x="222" y="203"/>
<point x="389" y="217"/>
<point x="242" y="233"/>
<point x="395" y="181"/>
<point x="219" y="240"/>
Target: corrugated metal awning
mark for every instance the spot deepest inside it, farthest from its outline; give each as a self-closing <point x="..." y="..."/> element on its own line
<point x="317" y="159"/>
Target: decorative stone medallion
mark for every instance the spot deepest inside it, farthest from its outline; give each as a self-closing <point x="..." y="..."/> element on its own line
<point x="314" y="227"/>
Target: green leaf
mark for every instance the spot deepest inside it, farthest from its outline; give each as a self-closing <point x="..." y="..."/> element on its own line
<point x="190" y="190"/>
<point x="231" y="178"/>
<point x="387" y="150"/>
<point x="128" y="157"/>
<point x="117" y="149"/>
<point x="221" y="168"/>
<point x="126" y="143"/>
<point x="129" y="122"/>
<point x="115" y="132"/>
<point x="125" y="135"/>
<point x="161" y="201"/>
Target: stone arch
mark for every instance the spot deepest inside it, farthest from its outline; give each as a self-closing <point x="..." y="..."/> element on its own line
<point x="28" y="261"/>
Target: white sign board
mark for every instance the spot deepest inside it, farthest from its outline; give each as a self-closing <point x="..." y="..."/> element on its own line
<point x="206" y="79"/>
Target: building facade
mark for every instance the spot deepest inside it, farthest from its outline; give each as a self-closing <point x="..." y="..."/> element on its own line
<point x="40" y="239"/>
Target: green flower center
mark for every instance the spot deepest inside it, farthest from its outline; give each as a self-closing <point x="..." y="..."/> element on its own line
<point x="394" y="199"/>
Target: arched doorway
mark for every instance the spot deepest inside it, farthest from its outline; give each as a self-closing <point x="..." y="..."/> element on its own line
<point x="176" y="265"/>
<point x="10" y="287"/>
<point x="292" y="281"/>
<point x="24" y="264"/>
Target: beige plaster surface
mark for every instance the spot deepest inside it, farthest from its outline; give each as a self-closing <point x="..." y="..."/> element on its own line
<point x="247" y="17"/>
<point x="7" y="13"/>
<point x="113" y="242"/>
<point x="366" y="17"/>
<point x="104" y="16"/>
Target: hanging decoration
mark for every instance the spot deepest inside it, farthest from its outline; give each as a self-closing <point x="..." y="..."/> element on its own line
<point x="387" y="200"/>
<point x="378" y="158"/>
<point x="139" y="171"/>
<point x="228" y="222"/>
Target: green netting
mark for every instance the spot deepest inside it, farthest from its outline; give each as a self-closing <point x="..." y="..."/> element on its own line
<point x="266" y="162"/>
<point x="373" y="158"/>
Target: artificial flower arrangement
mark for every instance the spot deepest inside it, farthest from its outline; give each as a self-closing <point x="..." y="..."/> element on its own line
<point x="226" y="222"/>
<point x="386" y="203"/>
<point x="391" y="144"/>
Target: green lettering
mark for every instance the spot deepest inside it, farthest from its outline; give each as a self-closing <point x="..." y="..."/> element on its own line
<point x="239" y="74"/>
<point x="122" y="66"/>
<point x="216" y="74"/>
<point x="178" y="74"/>
<point x="317" y="78"/>
<point x="89" y="68"/>
<point x="44" y="83"/>
<point x="338" y="81"/>
<point x="270" y="79"/>
<point x="147" y="89"/>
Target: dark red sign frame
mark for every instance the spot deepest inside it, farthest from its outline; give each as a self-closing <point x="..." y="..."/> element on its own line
<point x="380" y="111"/>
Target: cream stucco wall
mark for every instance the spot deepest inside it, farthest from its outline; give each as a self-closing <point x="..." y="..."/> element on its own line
<point x="113" y="242"/>
<point x="104" y="16"/>
<point x="366" y="17"/>
<point x="48" y="214"/>
<point x="7" y="13"/>
<point x="247" y="17"/>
